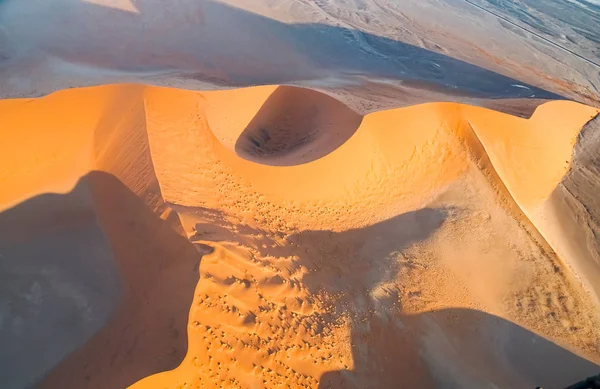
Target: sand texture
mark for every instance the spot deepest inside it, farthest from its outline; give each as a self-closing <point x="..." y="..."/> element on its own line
<point x="273" y="237"/>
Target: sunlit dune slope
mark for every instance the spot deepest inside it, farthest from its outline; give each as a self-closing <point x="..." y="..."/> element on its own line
<point x="414" y="247"/>
<point x="533" y="164"/>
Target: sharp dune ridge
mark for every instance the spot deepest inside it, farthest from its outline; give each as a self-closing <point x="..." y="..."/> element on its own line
<point x="272" y="236"/>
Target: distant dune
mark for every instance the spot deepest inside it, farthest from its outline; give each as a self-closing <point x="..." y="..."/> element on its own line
<point x="416" y="51"/>
<point x="271" y="236"/>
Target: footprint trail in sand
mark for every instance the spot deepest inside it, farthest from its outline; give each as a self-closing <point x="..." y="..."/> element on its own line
<point x="272" y="237"/>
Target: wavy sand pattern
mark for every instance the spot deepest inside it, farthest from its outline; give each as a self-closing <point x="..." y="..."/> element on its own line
<point x="272" y="237"/>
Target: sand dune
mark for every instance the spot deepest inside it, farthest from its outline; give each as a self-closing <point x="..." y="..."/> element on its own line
<point x="569" y="216"/>
<point x="282" y="125"/>
<point x="412" y="247"/>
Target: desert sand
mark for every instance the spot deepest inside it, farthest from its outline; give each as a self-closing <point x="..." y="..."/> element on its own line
<point x="437" y="50"/>
<point x="272" y="237"/>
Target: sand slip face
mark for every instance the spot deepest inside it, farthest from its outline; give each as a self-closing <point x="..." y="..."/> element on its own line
<point x="398" y="249"/>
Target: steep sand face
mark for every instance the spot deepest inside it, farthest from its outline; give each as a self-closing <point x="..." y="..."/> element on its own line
<point x="569" y="217"/>
<point x="402" y="248"/>
<point x="283" y="126"/>
<point x="557" y="197"/>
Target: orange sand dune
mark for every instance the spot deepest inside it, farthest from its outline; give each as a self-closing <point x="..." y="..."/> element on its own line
<point x="415" y="247"/>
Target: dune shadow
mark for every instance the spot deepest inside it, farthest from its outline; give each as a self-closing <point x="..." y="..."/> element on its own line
<point x="93" y="282"/>
<point x="450" y="348"/>
<point x="296" y="125"/>
<point x="355" y="271"/>
<point x="456" y="348"/>
<point x="59" y="282"/>
<point x="224" y="45"/>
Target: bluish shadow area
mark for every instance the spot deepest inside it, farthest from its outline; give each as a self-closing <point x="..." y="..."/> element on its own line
<point x="95" y="289"/>
<point x="210" y="41"/>
<point x="337" y="48"/>
<point x="59" y="283"/>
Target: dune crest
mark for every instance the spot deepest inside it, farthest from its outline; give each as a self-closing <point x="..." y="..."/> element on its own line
<point x="334" y="250"/>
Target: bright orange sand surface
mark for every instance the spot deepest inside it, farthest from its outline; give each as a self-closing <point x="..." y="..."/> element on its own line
<point x="270" y="237"/>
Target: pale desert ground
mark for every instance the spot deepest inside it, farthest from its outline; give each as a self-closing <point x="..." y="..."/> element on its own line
<point x="417" y="220"/>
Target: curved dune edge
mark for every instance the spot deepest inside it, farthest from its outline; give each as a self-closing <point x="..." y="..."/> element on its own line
<point x="446" y="190"/>
<point x="402" y="138"/>
<point x="279" y="125"/>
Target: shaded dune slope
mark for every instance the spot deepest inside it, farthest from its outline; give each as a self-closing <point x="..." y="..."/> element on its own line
<point x="120" y="283"/>
<point x="285" y="125"/>
<point x="333" y="244"/>
<point x="573" y="205"/>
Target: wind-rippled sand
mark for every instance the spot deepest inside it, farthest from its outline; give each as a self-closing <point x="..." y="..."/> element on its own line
<point x="272" y="237"/>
